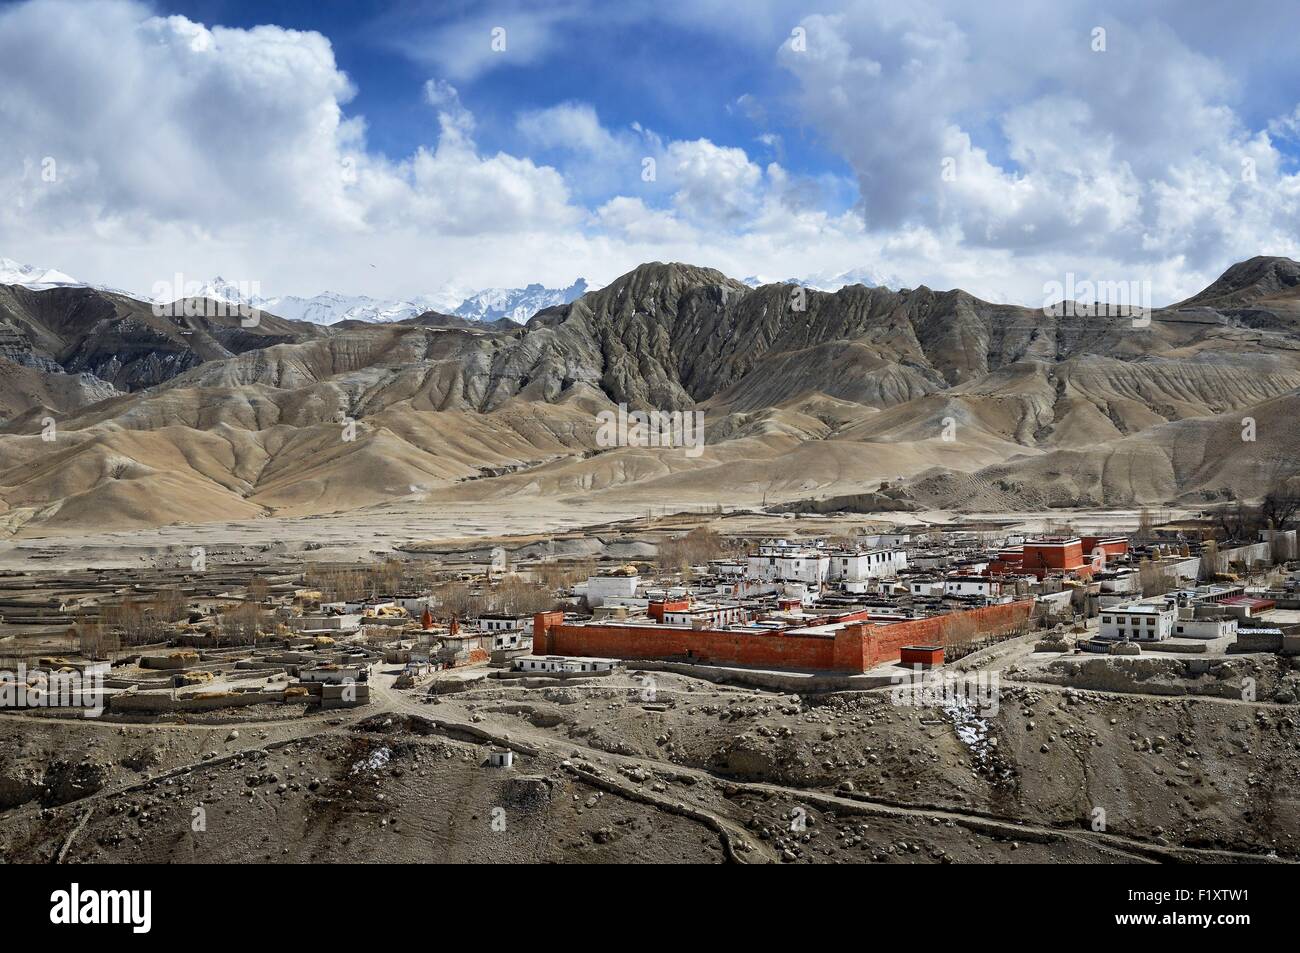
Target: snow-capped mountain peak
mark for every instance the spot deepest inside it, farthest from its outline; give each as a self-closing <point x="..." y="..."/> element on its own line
<point x="330" y="307"/>
<point x="35" y="278"/>
<point x="231" y="292"/>
<point x="518" y="304"/>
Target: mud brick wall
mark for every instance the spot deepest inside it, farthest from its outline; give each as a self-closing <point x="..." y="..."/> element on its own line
<point x="854" y="648"/>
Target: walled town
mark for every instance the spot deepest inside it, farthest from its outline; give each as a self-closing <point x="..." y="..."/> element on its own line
<point x="628" y="684"/>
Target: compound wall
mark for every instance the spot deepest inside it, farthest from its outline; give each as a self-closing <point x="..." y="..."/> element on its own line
<point x="854" y="648"/>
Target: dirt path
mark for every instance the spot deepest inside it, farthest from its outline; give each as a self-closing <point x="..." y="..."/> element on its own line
<point x="1118" y="844"/>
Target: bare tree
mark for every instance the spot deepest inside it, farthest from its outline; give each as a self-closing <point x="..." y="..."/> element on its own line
<point x="1154" y="579"/>
<point x="240" y="624"/>
<point x="94" y="640"/>
<point x="455" y="599"/>
<point x="957" y="631"/>
<point x="1280" y="506"/>
<point x="1238" y="523"/>
<point x="1144" y="523"/>
<point x="698" y="546"/>
<point x="259" y="590"/>
<point x="1211" y="560"/>
<point x="516" y="597"/>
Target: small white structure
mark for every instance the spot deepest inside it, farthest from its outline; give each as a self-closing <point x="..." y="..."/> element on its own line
<point x="925" y="587"/>
<point x="985" y="586"/>
<point x="414" y="605"/>
<point x="857" y="565"/>
<point x="504" y="623"/>
<point x="501" y="758"/>
<point x="1114" y="582"/>
<point x="727" y="568"/>
<point x="885" y="540"/>
<point x="510" y="639"/>
<point x="601" y="589"/>
<point x="564" y="664"/>
<point x="1138" y="622"/>
<point x="1186" y="626"/>
<point x="707" y="614"/>
<point x="779" y="561"/>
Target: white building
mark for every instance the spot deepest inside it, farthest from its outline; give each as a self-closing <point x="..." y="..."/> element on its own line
<point x="885" y="540"/>
<point x="1119" y="582"/>
<point x="707" y="614"/>
<point x="727" y="568"/>
<point x="325" y="623"/>
<point x="1186" y="626"/>
<point x="333" y="674"/>
<point x="510" y="639"/>
<point x="925" y="587"/>
<point x="1138" y="621"/>
<point x="601" y="589"/>
<point x="564" y="663"/>
<point x="960" y="586"/>
<point x="505" y="623"/>
<point x="782" y="562"/>
<point x="414" y="605"/>
<point x="858" y="565"/>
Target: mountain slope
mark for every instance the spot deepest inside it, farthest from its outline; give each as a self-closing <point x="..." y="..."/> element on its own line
<point x="952" y="401"/>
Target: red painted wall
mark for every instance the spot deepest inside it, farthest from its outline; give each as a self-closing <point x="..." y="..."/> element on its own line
<point x="657" y="609"/>
<point x="854" y="648"/>
<point x="1110" y="545"/>
<point x="921" y="655"/>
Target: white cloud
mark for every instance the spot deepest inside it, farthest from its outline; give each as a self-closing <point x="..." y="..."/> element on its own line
<point x="630" y="218"/>
<point x="712" y="182"/>
<point x="1131" y="154"/>
<point x="240" y="157"/>
<point x="510" y="34"/>
<point x="240" y="141"/>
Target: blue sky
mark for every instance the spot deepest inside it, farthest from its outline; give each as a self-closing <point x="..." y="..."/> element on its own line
<point x="677" y="78"/>
<point x="387" y="148"/>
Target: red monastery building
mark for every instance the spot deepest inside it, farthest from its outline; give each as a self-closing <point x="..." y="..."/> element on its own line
<point x="848" y="642"/>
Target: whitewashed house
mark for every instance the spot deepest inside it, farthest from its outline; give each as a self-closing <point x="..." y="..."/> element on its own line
<point x="1138" y="622"/>
<point x="783" y="563"/>
<point x="963" y="586"/>
<point x="607" y="588"/>
<point x="859" y="565"/>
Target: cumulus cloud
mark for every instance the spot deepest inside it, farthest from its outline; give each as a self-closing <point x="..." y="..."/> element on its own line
<point x="1043" y="133"/>
<point x="985" y="148"/>
<point x="158" y="125"/>
<point x="143" y="117"/>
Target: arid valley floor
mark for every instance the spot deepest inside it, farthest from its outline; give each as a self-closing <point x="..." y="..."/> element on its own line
<point x="649" y="764"/>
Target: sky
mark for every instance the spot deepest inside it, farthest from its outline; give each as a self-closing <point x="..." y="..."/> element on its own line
<point x="409" y="147"/>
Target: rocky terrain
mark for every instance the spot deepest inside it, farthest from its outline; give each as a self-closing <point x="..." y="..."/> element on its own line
<point x="114" y="417"/>
<point x="696" y="773"/>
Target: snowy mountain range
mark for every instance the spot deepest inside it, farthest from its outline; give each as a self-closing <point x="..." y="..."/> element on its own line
<point x="518" y="304"/>
<point x="330" y="307"/>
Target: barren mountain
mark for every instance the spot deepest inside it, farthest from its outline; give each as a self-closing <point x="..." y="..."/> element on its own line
<point x="951" y="400"/>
